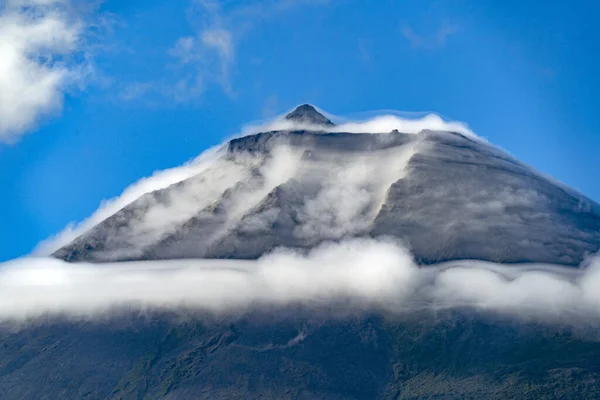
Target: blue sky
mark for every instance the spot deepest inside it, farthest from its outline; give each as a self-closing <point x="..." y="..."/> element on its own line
<point x="150" y="84"/>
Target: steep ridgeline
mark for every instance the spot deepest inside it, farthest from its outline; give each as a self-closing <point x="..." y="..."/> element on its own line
<point x="445" y="195"/>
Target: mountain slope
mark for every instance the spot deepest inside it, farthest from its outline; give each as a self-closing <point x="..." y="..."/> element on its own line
<point x="280" y="356"/>
<point x="446" y="195"/>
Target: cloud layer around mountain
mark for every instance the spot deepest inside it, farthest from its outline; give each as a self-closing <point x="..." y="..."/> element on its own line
<point x="379" y="122"/>
<point x="357" y="274"/>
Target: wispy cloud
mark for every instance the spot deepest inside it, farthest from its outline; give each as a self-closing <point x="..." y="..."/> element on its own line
<point x="432" y="41"/>
<point x="43" y="55"/>
<point x="220" y="40"/>
<point x="207" y="56"/>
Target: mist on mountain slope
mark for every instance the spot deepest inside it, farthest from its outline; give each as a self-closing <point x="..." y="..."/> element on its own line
<point x="360" y="273"/>
<point x="353" y="275"/>
<point x="379" y="124"/>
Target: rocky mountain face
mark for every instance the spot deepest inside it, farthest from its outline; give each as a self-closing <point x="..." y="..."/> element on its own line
<point x="445" y="195"/>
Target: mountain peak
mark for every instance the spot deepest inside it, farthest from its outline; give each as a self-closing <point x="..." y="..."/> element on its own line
<point x="308" y="114"/>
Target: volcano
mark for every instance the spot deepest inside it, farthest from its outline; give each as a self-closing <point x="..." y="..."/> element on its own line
<point x="445" y="194"/>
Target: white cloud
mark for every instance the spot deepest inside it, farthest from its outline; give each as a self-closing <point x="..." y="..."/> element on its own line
<point x="352" y="193"/>
<point x="361" y="274"/>
<point x="365" y="271"/>
<point x="38" y="41"/>
<point x="159" y="180"/>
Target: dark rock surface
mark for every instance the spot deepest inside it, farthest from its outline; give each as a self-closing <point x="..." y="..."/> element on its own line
<point x="270" y="356"/>
<point x="308" y="114"/>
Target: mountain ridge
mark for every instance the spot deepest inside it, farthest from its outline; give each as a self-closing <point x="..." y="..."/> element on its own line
<point x="491" y="181"/>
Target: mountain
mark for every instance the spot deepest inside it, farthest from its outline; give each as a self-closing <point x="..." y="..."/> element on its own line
<point x="307" y="113"/>
<point x="446" y="195"/>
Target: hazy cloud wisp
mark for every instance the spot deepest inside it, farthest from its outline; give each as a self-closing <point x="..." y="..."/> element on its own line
<point x="159" y="180"/>
<point x="207" y="56"/>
